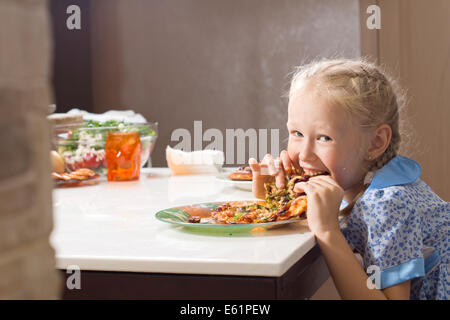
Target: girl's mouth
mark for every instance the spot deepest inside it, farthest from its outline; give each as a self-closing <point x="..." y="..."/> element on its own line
<point x="313" y="173"/>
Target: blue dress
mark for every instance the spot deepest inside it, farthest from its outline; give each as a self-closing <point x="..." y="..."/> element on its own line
<point x="401" y="229"/>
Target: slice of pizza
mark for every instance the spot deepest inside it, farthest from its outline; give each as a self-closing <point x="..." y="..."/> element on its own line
<point x="241" y="174"/>
<point x="288" y="203"/>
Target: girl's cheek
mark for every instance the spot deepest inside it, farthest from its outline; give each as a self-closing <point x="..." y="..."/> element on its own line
<point x="346" y="174"/>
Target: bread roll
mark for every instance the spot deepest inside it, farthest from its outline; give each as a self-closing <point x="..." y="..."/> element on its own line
<point x="58" y="164"/>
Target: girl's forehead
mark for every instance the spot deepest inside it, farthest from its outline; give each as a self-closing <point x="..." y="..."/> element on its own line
<point x="312" y="109"/>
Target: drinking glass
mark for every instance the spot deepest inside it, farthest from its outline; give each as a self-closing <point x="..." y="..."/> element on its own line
<point x="123" y="156"/>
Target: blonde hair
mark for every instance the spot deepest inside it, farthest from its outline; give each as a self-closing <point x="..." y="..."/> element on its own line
<point x="365" y="91"/>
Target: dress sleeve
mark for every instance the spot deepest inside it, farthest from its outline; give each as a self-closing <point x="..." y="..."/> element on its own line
<point x="394" y="246"/>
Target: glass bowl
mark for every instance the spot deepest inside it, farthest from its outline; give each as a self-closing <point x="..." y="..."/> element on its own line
<point x="84" y="146"/>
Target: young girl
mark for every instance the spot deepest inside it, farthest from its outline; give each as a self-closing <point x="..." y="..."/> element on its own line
<point x="343" y="119"/>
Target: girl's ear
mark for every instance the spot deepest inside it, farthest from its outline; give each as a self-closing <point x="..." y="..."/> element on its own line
<point x="380" y="141"/>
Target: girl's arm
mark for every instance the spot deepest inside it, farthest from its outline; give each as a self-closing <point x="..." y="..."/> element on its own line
<point x="324" y="197"/>
<point x="348" y="274"/>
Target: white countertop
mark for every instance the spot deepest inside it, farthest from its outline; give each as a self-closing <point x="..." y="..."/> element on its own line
<point x="112" y="227"/>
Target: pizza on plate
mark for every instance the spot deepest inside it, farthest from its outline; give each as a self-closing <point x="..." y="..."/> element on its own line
<point x="280" y="204"/>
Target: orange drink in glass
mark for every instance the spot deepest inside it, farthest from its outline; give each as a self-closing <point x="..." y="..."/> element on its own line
<point x="123" y="155"/>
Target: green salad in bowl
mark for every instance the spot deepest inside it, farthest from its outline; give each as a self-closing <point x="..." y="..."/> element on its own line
<point x="84" y="146"/>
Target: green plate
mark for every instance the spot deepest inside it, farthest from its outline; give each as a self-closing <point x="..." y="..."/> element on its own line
<point x="179" y="216"/>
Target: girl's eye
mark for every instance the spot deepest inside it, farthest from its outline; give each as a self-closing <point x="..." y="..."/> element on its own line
<point x="297" y="134"/>
<point x="325" y="138"/>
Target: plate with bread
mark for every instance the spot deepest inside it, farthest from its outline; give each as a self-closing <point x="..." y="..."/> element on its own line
<point x="240" y="178"/>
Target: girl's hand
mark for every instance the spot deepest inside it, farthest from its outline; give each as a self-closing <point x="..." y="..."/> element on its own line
<point x="324" y="198"/>
<point x="261" y="173"/>
<point x="268" y="169"/>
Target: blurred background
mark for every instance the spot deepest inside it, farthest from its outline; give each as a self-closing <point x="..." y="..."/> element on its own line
<point x="228" y="63"/>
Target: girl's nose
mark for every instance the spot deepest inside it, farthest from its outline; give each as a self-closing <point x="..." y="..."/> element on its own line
<point x="307" y="153"/>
